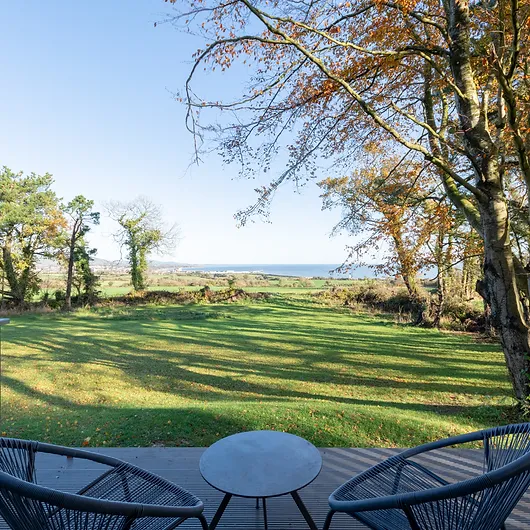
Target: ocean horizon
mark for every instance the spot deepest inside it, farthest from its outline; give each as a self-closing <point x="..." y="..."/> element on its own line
<point x="303" y="270"/>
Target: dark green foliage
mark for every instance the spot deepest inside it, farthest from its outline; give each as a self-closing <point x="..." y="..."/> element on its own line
<point x="81" y="217"/>
<point x="85" y="280"/>
<point x="140" y="239"/>
<point x="31" y="226"/>
<point x="141" y="232"/>
<point x="459" y="313"/>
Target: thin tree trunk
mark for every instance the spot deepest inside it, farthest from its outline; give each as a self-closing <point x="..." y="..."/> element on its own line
<point x="70" y="275"/>
<point x="442" y="261"/>
<point x="488" y="325"/>
<point x="2" y="293"/>
<point x="439" y="305"/>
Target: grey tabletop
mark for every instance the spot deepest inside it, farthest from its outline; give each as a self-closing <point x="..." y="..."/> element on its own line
<point x="260" y="464"/>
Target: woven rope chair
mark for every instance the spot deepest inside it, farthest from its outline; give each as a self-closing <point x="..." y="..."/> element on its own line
<point x="401" y="494"/>
<point x="125" y="497"/>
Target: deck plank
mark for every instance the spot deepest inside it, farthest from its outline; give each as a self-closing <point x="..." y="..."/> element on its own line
<point x="181" y="465"/>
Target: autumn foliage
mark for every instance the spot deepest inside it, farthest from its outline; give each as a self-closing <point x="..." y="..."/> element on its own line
<point x="443" y="84"/>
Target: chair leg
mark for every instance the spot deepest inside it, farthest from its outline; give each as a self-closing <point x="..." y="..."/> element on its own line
<point x="203" y="521"/>
<point x="327" y="524"/>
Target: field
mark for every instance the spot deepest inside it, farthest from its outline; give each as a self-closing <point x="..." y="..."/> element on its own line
<point x="189" y="375"/>
<point x="117" y="283"/>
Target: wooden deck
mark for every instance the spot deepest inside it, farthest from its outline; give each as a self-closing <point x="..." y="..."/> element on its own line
<point x="180" y="465"/>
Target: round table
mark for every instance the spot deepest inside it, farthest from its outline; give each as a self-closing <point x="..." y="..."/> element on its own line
<point x="261" y="464"/>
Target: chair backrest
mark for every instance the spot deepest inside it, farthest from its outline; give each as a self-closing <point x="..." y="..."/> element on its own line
<point x="122" y="496"/>
<point x="507" y="457"/>
<point x="17" y="458"/>
<point x="503" y="445"/>
<point x="21" y="512"/>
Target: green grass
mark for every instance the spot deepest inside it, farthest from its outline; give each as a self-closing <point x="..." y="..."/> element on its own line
<point x="119" y="291"/>
<point x="189" y="375"/>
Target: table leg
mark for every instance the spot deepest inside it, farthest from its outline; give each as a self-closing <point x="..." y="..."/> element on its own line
<point x="265" y="513"/>
<point x="220" y="511"/>
<point x="303" y="510"/>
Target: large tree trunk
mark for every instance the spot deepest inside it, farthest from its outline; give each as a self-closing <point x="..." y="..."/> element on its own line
<point x="502" y="294"/>
<point x="500" y="281"/>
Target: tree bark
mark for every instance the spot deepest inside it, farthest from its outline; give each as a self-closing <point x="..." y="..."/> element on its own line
<point x="441" y="263"/>
<point x="489" y="330"/>
<point x="502" y="294"/>
<point x="500" y="281"/>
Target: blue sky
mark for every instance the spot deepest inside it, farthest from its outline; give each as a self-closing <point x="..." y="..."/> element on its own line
<point x="86" y="95"/>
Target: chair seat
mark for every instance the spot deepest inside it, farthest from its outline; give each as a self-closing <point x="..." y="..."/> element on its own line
<point x="124" y="498"/>
<point x="128" y="483"/>
<point x="399" y="493"/>
<point x="391" y="477"/>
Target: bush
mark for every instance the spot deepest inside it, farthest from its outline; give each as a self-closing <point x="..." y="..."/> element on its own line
<point x="60" y="295"/>
<point x="389" y="297"/>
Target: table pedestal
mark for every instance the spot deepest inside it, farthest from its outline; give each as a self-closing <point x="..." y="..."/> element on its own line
<point x="294" y="494"/>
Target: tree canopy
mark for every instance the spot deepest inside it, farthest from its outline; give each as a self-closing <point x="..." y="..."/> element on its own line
<point x="142" y="231"/>
<point x="81" y="216"/>
<point x="31" y="224"/>
<point x="441" y="81"/>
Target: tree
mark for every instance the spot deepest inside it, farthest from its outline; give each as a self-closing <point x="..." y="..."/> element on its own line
<point x="84" y="280"/>
<point x="404" y="223"/>
<point x="444" y="81"/>
<point x="142" y="231"/>
<point x="454" y="250"/>
<point x="31" y="225"/>
<point x="385" y="203"/>
<point x="81" y="216"/>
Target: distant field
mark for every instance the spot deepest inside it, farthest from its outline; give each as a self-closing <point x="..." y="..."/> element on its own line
<point x="189" y="375"/>
<point x="118" y="283"/>
<point x="117" y="291"/>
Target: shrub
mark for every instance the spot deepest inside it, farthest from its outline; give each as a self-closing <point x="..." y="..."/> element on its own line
<point x="389" y="297"/>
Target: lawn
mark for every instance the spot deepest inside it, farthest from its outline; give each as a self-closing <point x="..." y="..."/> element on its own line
<point x="189" y="375"/>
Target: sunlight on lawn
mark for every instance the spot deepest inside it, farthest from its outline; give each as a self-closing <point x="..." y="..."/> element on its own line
<point x="165" y="374"/>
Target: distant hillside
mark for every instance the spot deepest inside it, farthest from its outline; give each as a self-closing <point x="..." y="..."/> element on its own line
<point x="48" y="265"/>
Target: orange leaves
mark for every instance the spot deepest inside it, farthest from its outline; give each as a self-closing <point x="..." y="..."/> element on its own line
<point x="405" y="5"/>
<point x="383" y="200"/>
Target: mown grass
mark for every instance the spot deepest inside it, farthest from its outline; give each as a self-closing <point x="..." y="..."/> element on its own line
<point x="189" y="375"/>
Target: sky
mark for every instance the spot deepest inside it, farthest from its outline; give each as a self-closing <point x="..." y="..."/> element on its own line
<point x="86" y="95"/>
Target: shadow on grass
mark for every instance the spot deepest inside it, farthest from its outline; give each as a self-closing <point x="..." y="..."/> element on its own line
<point x="353" y="358"/>
<point x="68" y="423"/>
<point x="442" y="410"/>
<point x="297" y="354"/>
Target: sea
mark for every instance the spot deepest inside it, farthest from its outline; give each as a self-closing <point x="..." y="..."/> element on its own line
<point x="300" y="271"/>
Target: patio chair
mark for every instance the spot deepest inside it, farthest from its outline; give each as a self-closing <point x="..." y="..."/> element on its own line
<point x="400" y="493"/>
<point x="124" y="497"/>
